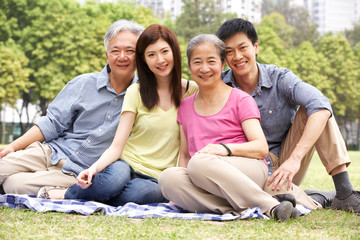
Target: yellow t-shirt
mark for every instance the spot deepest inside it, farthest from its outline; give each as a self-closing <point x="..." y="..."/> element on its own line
<point x="153" y="144"/>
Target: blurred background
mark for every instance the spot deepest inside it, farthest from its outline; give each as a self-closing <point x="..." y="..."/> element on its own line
<point x="46" y="43"/>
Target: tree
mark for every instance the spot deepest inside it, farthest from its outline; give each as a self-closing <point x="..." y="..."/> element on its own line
<point x="62" y="39"/>
<point x="343" y="75"/>
<point x="311" y="67"/>
<point x="271" y="45"/>
<point x="304" y="28"/>
<point x="353" y="35"/>
<point x="14" y="76"/>
<point x="199" y="16"/>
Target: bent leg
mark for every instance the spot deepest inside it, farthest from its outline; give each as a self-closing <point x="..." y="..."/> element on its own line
<point x="239" y="180"/>
<point x="292" y="138"/>
<point x="301" y="197"/>
<point x="29" y="183"/>
<point x="331" y="147"/>
<point x="177" y="187"/>
<point x="105" y="185"/>
<point x="140" y="191"/>
<point x="35" y="157"/>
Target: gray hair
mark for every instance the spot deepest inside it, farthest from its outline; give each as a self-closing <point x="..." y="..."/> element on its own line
<point x="203" y="38"/>
<point x="121" y="25"/>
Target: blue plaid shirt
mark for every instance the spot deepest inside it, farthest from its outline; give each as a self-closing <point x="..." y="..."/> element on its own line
<point x="278" y="95"/>
<point x="81" y="121"/>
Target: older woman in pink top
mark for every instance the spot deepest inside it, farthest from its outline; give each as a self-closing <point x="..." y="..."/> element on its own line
<point x="221" y="166"/>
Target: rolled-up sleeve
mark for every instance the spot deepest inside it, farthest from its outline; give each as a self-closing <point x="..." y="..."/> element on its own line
<point x="303" y="94"/>
<point x="60" y="113"/>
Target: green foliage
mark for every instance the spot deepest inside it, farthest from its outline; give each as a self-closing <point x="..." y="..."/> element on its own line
<point x="353" y="35"/>
<point x="271" y="46"/>
<point x="276" y="22"/>
<point x="62" y="39"/>
<point x="14" y="75"/>
<point x="46" y="43"/>
<point x="342" y="74"/>
<point x="199" y="16"/>
<point x="303" y="28"/>
<point x="185" y="68"/>
<point x="311" y="66"/>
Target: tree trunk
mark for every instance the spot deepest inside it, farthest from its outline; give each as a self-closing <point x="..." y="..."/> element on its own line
<point x="358" y="135"/>
<point x="3" y="123"/>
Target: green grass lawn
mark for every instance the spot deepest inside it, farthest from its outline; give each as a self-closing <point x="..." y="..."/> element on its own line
<point x="322" y="224"/>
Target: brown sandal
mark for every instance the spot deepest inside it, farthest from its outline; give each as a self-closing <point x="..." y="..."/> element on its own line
<point x="44" y="191"/>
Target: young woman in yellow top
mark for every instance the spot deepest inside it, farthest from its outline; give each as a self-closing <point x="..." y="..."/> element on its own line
<point x="147" y="138"/>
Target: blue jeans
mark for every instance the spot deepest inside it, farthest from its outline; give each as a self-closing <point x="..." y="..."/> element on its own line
<point x="117" y="185"/>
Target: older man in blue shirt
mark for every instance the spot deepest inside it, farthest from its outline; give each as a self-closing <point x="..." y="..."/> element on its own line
<point x="291" y="132"/>
<point x="80" y="122"/>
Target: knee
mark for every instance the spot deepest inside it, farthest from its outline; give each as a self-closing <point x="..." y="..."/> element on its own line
<point x="141" y="191"/>
<point x="15" y="185"/>
<point x="171" y="181"/>
<point x="202" y="165"/>
<point x="168" y="178"/>
<point x="116" y="173"/>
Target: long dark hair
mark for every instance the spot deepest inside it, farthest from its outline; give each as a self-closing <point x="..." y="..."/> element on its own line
<point x="147" y="80"/>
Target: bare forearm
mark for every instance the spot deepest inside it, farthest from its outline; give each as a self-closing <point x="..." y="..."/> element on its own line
<point x="257" y="149"/>
<point x="314" y="127"/>
<point x="108" y="157"/>
<point x="183" y="161"/>
<point x="32" y="135"/>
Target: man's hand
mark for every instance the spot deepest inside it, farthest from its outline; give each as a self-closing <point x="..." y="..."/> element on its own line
<point x="85" y="177"/>
<point x="285" y="173"/>
<point x="5" y="150"/>
<point x="215" y="149"/>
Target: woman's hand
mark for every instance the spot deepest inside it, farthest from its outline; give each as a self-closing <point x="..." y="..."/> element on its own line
<point x="85" y="177"/>
<point x="215" y="149"/>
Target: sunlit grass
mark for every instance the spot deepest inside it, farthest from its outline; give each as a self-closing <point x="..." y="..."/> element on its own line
<point x="323" y="224"/>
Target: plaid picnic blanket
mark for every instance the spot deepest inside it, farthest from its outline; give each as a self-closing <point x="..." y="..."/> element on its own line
<point x="130" y="210"/>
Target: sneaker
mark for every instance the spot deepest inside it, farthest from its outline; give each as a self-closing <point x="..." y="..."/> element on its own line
<point x="325" y="198"/>
<point x="349" y="204"/>
<point x="282" y="212"/>
<point x="44" y="191"/>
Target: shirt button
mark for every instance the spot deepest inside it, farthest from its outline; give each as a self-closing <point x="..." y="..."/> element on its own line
<point x="77" y="153"/>
<point x="109" y="117"/>
<point x="100" y="129"/>
<point x="89" y="141"/>
<point x="270" y="111"/>
<point x="116" y="99"/>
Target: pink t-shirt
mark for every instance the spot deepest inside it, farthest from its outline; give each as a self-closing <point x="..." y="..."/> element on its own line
<point x="224" y="126"/>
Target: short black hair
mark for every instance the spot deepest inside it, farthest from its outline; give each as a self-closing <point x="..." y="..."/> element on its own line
<point x="237" y="25"/>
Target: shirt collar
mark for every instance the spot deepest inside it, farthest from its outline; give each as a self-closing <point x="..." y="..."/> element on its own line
<point x="264" y="79"/>
<point x="104" y="81"/>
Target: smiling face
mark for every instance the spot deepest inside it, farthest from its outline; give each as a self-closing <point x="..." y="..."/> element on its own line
<point x="241" y="55"/>
<point x="121" y="55"/>
<point x="205" y="65"/>
<point x="159" y="58"/>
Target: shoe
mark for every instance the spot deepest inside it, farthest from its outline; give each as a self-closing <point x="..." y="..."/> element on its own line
<point x="349" y="204"/>
<point x="44" y="191"/>
<point x="295" y="213"/>
<point x="285" y="197"/>
<point x="283" y="211"/>
<point x="325" y="198"/>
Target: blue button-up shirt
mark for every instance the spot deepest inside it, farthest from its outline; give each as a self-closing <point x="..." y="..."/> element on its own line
<point x="81" y="121"/>
<point x="278" y="95"/>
